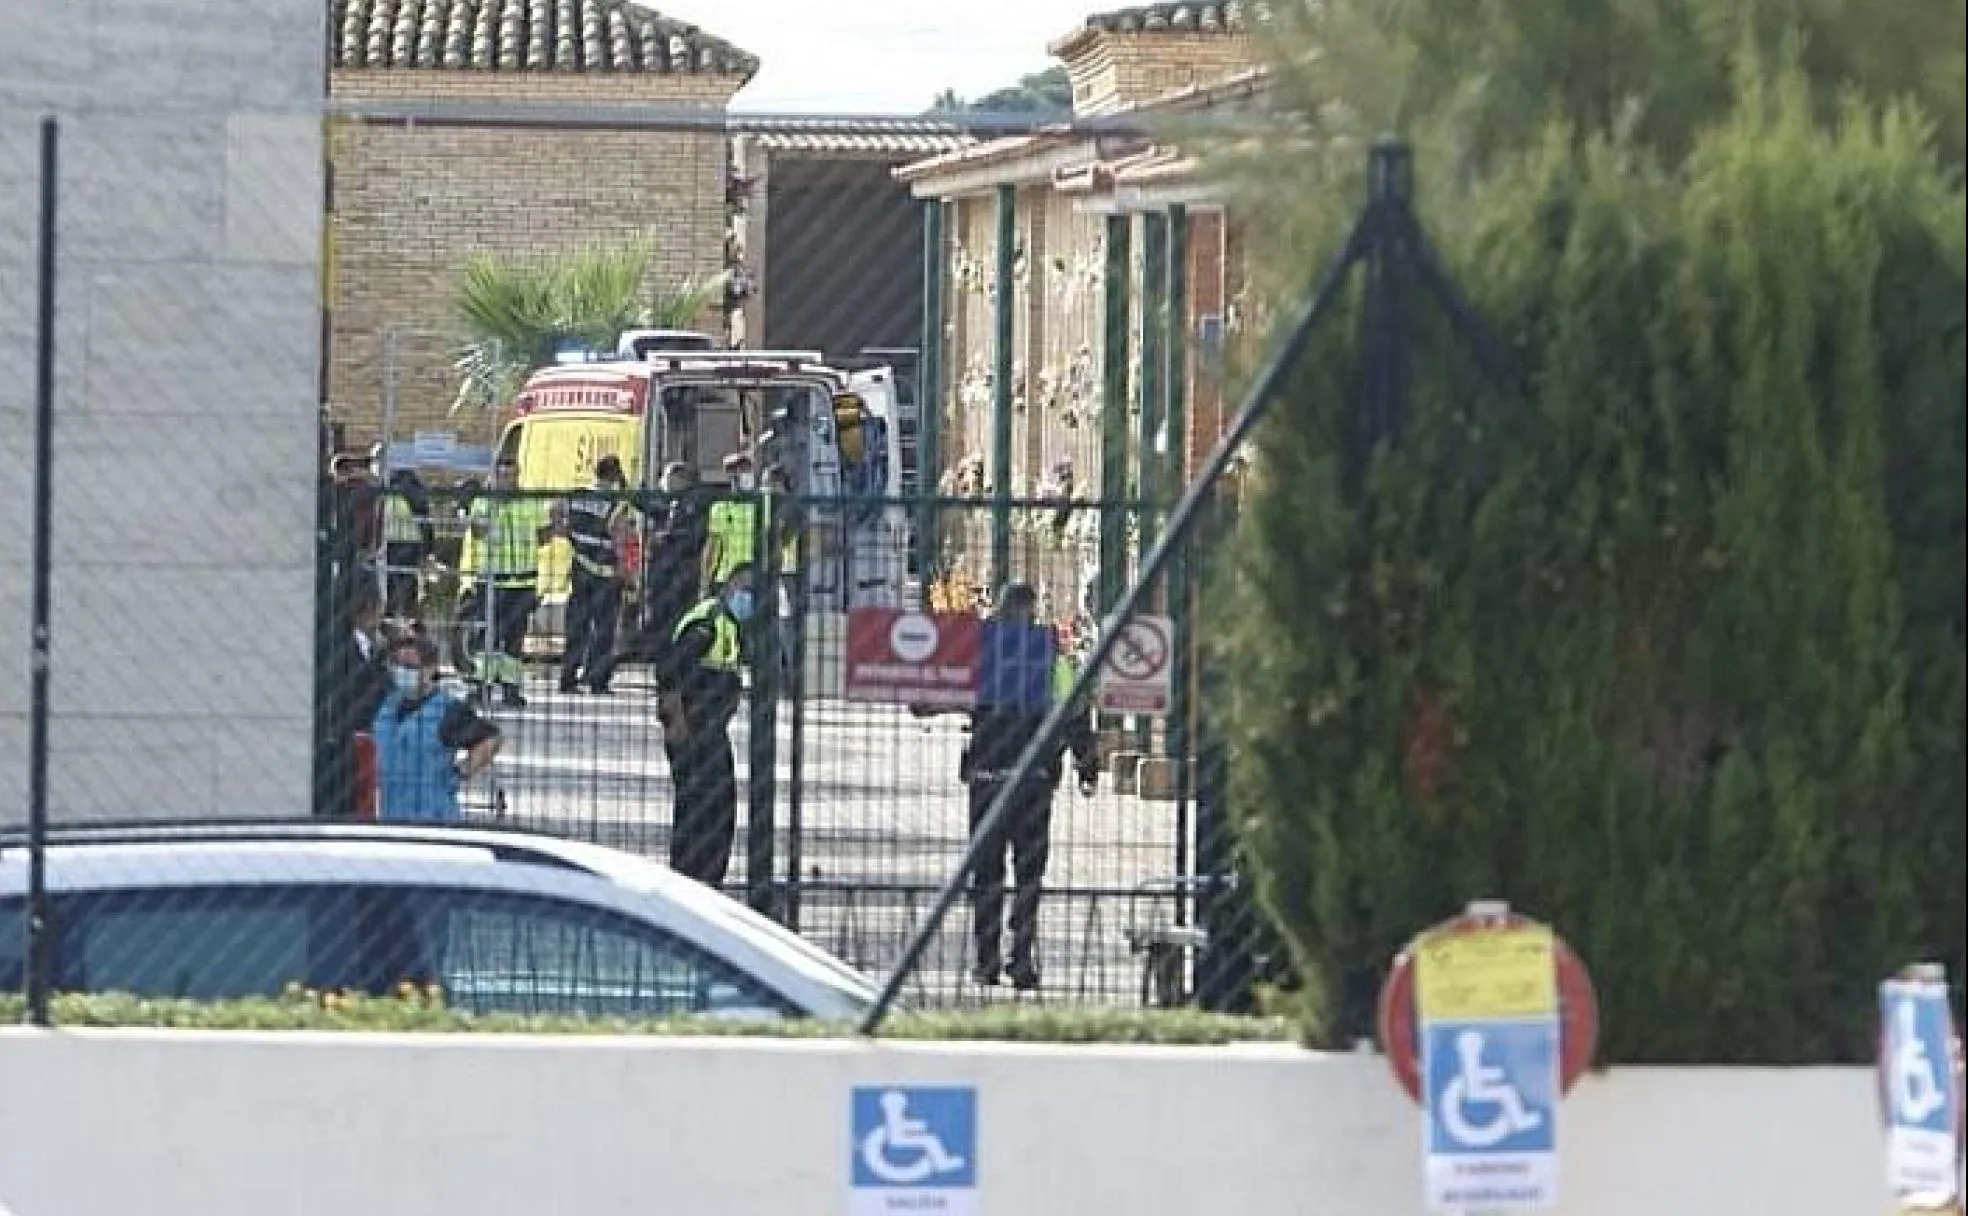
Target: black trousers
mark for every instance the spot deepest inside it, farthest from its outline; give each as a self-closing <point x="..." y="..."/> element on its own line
<point x="1026" y="834"/>
<point x="706" y="780"/>
<point x="512" y="616"/>
<point x="661" y="610"/>
<point x="402" y="590"/>
<point x="594" y="604"/>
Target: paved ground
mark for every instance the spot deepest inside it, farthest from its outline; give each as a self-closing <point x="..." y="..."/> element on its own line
<point x="880" y="823"/>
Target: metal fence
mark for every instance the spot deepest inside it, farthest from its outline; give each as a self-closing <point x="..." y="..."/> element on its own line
<point x="1047" y="367"/>
<point x="850" y="803"/>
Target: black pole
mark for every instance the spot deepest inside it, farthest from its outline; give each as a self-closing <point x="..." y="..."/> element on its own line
<point x="1257" y="402"/>
<point x="39" y="935"/>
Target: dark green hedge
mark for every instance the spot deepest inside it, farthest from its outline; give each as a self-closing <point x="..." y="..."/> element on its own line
<point x="1670" y="654"/>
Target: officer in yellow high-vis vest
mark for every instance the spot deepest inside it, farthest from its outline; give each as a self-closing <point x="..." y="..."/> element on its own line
<point x="508" y="533"/>
<point x="406" y="543"/>
<point x="733" y="527"/>
<point x="784" y="542"/>
<point x="701" y="680"/>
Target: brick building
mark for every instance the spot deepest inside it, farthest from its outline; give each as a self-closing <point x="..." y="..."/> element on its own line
<point x="411" y="201"/>
<point x="1126" y="279"/>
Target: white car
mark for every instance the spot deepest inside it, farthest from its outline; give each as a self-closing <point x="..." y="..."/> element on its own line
<point x="504" y="922"/>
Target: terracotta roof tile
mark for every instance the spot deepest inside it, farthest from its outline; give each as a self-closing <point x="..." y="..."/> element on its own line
<point x="1186" y="17"/>
<point x="524" y="36"/>
<point x="902" y="137"/>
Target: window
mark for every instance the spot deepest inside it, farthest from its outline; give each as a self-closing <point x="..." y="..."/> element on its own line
<point x="219" y="943"/>
<point x="531" y="955"/>
<point x="13" y="945"/>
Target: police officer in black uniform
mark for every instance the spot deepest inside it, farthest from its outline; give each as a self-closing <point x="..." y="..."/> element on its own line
<point x="701" y="680"/>
<point x="594" y="524"/>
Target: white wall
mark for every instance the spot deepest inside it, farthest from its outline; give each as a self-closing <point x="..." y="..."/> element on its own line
<point x="187" y="341"/>
<point x="109" y="1123"/>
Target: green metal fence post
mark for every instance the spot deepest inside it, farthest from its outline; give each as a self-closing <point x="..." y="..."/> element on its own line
<point x="1174" y="438"/>
<point x="1113" y="411"/>
<point x="1154" y="399"/>
<point x="929" y="388"/>
<point x="762" y="756"/>
<point x="1001" y="371"/>
<point x="1154" y="369"/>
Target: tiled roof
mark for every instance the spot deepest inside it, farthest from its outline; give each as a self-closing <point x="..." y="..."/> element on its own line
<point x="1249" y="85"/>
<point x="901" y="138"/>
<point x="525" y="36"/>
<point x="976" y="156"/>
<point x="1179" y="18"/>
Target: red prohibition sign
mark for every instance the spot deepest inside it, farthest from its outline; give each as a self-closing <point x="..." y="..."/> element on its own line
<point x="1578" y="1005"/>
<point x="1140" y="652"/>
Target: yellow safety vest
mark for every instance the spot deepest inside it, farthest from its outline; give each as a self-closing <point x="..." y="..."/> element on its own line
<point x="724" y="652"/>
<point x="512" y="540"/>
<point x="732" y="525"/>
<point x="1063" y="676"/>
<point x="400" y="524"/>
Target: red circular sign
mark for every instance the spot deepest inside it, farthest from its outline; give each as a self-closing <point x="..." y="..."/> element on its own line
<point x="1578" y="1006"/>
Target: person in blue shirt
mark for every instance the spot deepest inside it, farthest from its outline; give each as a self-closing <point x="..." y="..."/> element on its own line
<point x="1023" y="676"/>
<point x="419" y="731"/>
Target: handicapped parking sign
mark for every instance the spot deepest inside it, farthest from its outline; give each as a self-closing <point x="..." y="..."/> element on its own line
<point x="913" y="1149"/>
<point x="1923" y="1101"/>
<point x="1492" y="1091"/>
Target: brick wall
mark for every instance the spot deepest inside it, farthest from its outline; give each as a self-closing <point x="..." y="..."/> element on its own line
<point x="411" y="204"/>
<point x="1076" y="252"/>
<point x="1122" y="69"/>
<point x="1208" y="296"/>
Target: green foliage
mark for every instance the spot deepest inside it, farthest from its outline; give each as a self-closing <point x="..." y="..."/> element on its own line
<point x="1669" y="654"/>
<point x="1047" y="92"/>
<point x="418" y="1012"/>
<point x="1475" y="83"/>
<point x="515" y="313"/>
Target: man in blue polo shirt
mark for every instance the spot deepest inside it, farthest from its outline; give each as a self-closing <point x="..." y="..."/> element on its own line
<point x="1023" y="675"/>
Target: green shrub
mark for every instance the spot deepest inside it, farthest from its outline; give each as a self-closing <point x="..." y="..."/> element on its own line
<point x="416" y="1012"/>
<point x="1669" y="654"/>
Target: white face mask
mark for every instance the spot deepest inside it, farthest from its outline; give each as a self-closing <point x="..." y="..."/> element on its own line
<point x="408" y="680"/>
<point x="745" y="481"/>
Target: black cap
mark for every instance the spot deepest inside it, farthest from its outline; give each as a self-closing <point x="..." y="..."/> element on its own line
<point x="609" y="468"/>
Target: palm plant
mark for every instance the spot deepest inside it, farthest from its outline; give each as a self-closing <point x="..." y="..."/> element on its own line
<point x="516" y="313"/>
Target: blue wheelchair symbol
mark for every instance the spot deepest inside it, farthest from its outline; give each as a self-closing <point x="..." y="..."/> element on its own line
<point x="909" y="1138"/>
<point x="1917" y="1062"/>
<point x="1492" y="1087"/>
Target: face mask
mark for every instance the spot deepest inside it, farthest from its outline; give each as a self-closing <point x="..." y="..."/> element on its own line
<point x="745" y="481"/>
<point x="740" y="605"/>
<point x="673" y="488"/>
<point x="408" y="680"/>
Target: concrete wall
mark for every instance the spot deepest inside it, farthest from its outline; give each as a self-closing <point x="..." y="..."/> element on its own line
<point x="188" y="338"/>
<point x="102" y="1123"/>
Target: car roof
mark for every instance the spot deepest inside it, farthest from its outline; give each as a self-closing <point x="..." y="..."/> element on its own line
<point x="113" y="855"/>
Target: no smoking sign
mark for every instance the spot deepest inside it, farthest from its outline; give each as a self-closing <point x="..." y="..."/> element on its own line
<point x="1136" y="678"/>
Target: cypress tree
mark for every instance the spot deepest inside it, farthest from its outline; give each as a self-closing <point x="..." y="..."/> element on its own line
<point x="1669" y="653"/>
